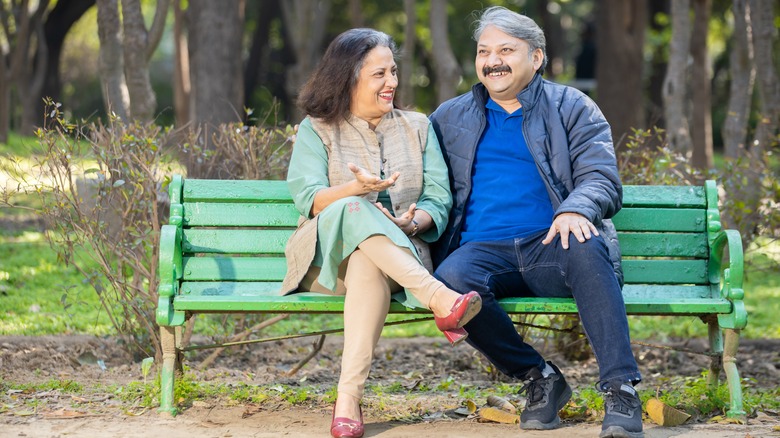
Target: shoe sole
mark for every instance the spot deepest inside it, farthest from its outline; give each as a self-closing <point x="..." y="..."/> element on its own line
<point x="474" y="306"/>
<point x="619" y="432"/>
<point x="538" y="425"/>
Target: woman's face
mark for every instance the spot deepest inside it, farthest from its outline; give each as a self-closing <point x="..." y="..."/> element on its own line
<point x="373" y="95"/>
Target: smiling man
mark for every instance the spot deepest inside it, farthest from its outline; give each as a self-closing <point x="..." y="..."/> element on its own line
<point x="534" y="182"/>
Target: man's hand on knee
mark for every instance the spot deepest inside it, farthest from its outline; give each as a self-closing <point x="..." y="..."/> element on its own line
<point x="573" y="223"/>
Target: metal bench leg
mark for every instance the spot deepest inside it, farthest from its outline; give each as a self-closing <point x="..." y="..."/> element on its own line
<point x="732" y="374"/>
<point x="716" y="347"/>
<point x="168" y="341"/>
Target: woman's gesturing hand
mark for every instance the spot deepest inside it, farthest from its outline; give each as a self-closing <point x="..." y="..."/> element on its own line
<point x="369" y="182"/>
<point x="404" y="221"/>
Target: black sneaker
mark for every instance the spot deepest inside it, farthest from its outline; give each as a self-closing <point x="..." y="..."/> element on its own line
<point x="546" y="396"/>
<point x="623" y="416"/>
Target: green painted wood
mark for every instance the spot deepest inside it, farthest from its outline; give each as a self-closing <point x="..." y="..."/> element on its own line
<point x="235" y="268"/>
<point x="204" y="190"/>
<point x="664" y="244"/>
<point x="665" y="271"/>
<point x="664" y="196"/>
<point x="631" y="292"/>
<point x="662" y="219"/>
<point x="203" y="214"/>
<point x="635" y="292"/>
<point x="319" y="303"/>
<point x="231" y="288"/>
<point x="248" y="241"/>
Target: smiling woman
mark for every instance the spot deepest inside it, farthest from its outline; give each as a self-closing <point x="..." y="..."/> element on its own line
<point x="372" y="188"/>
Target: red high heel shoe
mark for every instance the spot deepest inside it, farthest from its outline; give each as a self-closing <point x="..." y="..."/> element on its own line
<point x="465" y="308"/>
<point x="343" y="427"/>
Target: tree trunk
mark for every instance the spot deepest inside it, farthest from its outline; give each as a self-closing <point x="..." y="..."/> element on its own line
<point x="742" y="81"/>
<point x="764" y="36"/>
<point x="675" y="84"/>
<point x="305" y="22"/>
<point x="356" y="17"/>
<point x="181" y="67"/>
<point x="445" y="64"/>
<point x="215" y="61"/>
<point x="620" y="42"/>
<point x="406" y="88"/>
<point x="701" y="77"/>
<point x="58" y="23"/>
<point x="138" y="48"/>
<point x="258" y="53"/>
<point x="111" y="64"/>
<point x="5" y="101"/>
<point x="658" y="66"/>
<point x="551" y="23"/>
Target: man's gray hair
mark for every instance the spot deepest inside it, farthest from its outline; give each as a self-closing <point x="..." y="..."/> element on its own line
<point x="516" y="25"/>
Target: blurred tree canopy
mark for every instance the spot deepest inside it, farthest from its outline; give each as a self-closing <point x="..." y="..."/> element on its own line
<point x="215" y="62"/>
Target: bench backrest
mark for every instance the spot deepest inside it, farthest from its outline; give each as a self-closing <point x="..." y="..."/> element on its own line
<point x="237" y="231"/>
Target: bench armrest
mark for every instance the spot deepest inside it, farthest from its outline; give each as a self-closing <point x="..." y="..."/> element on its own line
<point x="729" y="274"/>
<point x="170" y="270"/>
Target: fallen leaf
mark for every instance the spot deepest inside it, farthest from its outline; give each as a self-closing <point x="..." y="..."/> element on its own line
<point x="63" y="414"/>
<point x="665" y="415"/>
<point x="501" y="403"/>
<point x="471" y="406"/>
<point x="498" y="416"/>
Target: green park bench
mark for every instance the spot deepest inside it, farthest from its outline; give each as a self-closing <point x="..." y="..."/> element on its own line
<point x="223" y="252"/>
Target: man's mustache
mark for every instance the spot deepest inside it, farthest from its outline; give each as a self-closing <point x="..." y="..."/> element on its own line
<point x="501" y="68"/>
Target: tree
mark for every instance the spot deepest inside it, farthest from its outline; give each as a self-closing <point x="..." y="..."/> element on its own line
<point x="216" y="66"/>
<point x="124" y="57"/>
<point x="58" y="23"/>
<point x="742" y="81"/>
<point x="675" y="84"/>
<point x="305" y="24"/>
<point x="444" y="63"/>
<point x="406" y="87"/>
<point x="764" y="36"/>
<point x="620" y="42"/>
<point x="701" y="78"/>
<point x="22" y="29"/>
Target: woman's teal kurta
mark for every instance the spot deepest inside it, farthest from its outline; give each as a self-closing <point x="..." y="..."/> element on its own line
<point x="343" y="225"/>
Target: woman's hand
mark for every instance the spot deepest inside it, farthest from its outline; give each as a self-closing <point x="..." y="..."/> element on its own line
<point x="371" y="183"/>
<point x="404" y="222"/>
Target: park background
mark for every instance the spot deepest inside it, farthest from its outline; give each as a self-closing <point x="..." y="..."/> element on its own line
<point x="101" y="102"/>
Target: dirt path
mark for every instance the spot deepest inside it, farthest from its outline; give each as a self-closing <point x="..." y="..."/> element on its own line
<point x="99" y="365"/>
<point x="218" y="422"/>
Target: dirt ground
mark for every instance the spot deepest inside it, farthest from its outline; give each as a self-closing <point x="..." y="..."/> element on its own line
<point x="99" y="363"/>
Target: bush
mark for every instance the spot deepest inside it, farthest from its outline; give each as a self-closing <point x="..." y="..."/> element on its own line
<point x="102" y="193"/>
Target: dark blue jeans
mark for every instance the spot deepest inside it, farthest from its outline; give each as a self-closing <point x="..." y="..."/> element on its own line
<point x="524" y="267"/>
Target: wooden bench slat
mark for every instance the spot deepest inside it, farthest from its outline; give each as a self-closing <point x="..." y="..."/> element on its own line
<point x="631" y="292"/>
<point x="235" y="241"/>
<point x="665" y="271"/>
<point x="664" y="196"/>
<point x="660" y="219"/>
<point x="235" y="191"/>
<point x="318" y="303"/>
<point x="234" y="268"/>
<point x="664" y="244"/>
<point x="205" y="214"/>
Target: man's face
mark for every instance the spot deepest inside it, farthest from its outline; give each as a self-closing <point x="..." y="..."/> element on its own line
<point x="504" y="64"/>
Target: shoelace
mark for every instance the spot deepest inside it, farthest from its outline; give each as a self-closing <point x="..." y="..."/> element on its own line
<point x="620" y="401"/>
<point x="534" y="388"/>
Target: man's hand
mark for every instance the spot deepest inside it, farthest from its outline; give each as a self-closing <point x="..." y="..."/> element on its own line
<point x="574" y="223"/>
<point x="371" y="183"/>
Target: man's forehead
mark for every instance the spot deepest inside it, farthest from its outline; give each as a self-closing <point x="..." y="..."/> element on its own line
<point x="493" y="36"/>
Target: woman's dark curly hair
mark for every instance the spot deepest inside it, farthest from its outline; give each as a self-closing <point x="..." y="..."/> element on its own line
<point x="328" y="92"/>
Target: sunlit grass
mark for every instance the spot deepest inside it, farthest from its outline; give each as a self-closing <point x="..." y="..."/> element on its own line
<point x="40" y="295"/>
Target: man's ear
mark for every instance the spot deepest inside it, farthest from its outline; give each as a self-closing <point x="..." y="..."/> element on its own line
<point x="538" y="58"/>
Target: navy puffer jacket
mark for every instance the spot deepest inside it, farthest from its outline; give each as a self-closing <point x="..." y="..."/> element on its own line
<point x="569" y="139"/>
